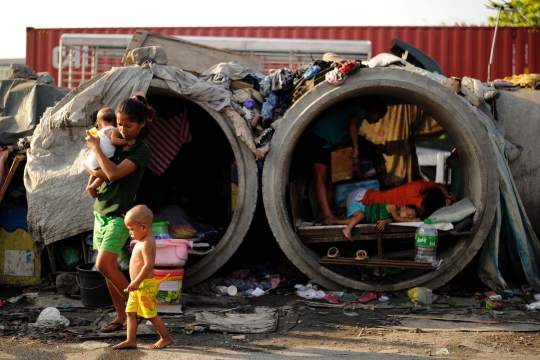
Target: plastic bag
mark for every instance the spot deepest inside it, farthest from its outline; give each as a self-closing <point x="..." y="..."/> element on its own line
<point x="50" y="317"/>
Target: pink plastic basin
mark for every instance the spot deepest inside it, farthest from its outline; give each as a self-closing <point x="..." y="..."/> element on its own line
<point x="170" y="252"/>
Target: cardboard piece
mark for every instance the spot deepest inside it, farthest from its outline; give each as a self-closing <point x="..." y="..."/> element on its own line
<point x="342" y="165"/>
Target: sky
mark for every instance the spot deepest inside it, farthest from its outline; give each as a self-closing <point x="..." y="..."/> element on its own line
<point x="17" y="15"/>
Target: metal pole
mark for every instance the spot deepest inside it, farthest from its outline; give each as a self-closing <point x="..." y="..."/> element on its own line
<point x="493" y="44"/>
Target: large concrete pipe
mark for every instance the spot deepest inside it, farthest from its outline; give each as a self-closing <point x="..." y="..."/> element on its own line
<point x="205" y="119"/>
<point x="459" y="121"/>
<point x="246" y="201"/>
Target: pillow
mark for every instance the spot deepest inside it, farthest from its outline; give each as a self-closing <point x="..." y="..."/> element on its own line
<point x="455" y="212"/>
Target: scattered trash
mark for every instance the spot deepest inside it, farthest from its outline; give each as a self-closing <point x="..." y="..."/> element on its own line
<point x="190" y="329"/>
<point x="257" y="292"/>
<point x="331" y="299"/>
<point x="1" y="303"/>
<point x="50" y="317"/>
<point x="437" y="263"/>
<point x="421" y="294"/>
<point x="350" y="313"/>
<point x="232" y="290"/>
<point x="472" y="345"/>
<point x="239" y="337"/>
<point x="222" y="290"/>
<point x="366" y="297"/>
<point x="425" y="295"/>
<point x="496" y="297"/>
<point x="15" y="299"/>
<point x="383" y="298"/>
<point x="536" y="297"/>
<point x="66" y="305"/>
<point x="413" y="294"/>
<point x="492" y="305"/>
<point x="495" y="312"/>
<point x="442" y="351"/>
<point x="533" y="306"/>
<point x="307" y="292"/>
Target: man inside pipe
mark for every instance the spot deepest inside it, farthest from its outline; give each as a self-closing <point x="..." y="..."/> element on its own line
<point x="335" y="127"/>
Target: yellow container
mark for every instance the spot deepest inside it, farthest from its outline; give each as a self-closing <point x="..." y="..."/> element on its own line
<point x="20" y="264"/>
<point x="170" y="290"/>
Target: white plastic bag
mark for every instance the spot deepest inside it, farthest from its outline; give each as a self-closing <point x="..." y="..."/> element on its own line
<point x="50" y="317"/>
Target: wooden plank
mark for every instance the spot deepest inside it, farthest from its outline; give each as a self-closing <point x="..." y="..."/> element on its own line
<point x="446" y="319"/>
<point x="342" y="165"/>
<point x="261" y="321"/>
<point x="337" y="238"/>
<point x="332" y="233"/>
<point x="435" y="326"/>
<point x="357" y="230"/>
<point x="188" y="55"/>
<point x="376" y="262"/>
<point x="14" y="166"/>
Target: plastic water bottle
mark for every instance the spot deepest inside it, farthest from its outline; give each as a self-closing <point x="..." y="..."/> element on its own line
<point x="425" y="243"/>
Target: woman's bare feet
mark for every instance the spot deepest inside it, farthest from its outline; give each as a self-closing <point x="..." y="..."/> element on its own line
<point x="329" y="220"/>
<point x="128" y="344"/>
<point x="347" y="233"/>
<point x="162" y="343"/>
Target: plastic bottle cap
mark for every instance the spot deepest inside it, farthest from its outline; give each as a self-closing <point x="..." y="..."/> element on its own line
<point x="427" y="221"/>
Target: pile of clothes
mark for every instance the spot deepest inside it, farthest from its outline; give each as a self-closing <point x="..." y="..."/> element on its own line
<point x="264" y="99"/>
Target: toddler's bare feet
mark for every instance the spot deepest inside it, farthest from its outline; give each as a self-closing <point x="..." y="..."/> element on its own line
<point x="347" y="233"/>
<point x="162" y="343"/>
<point x="128" y="344"/>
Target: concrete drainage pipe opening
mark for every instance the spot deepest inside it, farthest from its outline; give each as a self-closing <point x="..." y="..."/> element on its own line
<point x="460" y="123"/>
<point x="201" y="178"/>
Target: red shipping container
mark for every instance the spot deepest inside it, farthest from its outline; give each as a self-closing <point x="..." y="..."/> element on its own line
<point x="460" y="51"/>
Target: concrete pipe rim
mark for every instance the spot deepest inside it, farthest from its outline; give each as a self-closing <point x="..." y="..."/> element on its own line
<point x="247" y="194"/>
<point x="425" y="93"/>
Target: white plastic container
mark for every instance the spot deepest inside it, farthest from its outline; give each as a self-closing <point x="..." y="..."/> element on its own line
<point x="425" y="243"/>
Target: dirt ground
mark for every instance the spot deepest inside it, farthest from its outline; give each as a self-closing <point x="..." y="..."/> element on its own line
<point x="304" y="328"/>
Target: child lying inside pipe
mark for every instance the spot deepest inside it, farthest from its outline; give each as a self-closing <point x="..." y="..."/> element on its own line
<point x="380" y="214"/>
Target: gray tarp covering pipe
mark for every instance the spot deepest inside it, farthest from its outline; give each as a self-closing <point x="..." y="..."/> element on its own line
<point x="22" y="102"/>
<point x="511" y="225"/>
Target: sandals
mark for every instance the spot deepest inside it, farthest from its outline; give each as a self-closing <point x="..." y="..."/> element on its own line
<point x="361" y="255"/>
<point x="366" y="297"/>
<point x="333" y="253"/>
<point x="112" y="327"/>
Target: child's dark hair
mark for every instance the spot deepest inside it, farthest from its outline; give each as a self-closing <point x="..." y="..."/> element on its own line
<point x="139" y="110"/>
<point x="108" y="115"/>
<point x="433" y="200"/>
